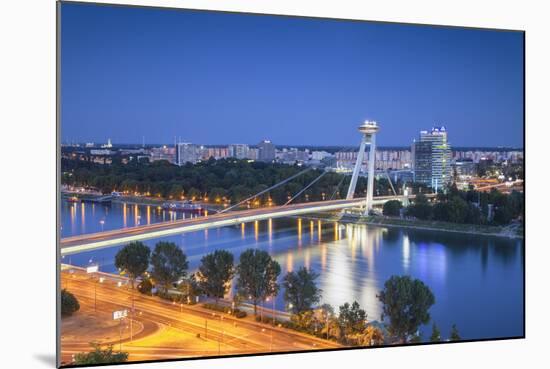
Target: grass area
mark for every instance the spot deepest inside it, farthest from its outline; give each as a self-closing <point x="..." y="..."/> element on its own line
<point x="225" y="309"/>
<point x="514" y="230"/>
<point x="508" y="231"/>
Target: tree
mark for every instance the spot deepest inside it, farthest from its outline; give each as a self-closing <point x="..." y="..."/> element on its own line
<point x="436" y="334"/>
<point x="99" y="356"/>
<point x="421" y="208"/>
<point x="176" y="191"/>
<point x="351" y="319"/>
<point x="473" y="215"/>
<point x="392" y="208"/>
<point x="306" y="320"/>
<point x="327" y="311"/>
<point x="327" y="317"/>
<point x="193" y="193"/>
<point x="416" y="338"/>
<point x="169" y="264"/>
<point x="455" y="210"/>
<point x="229" y="178"/>
<point x="215" y="273"/>
<point x="372" y="336"/>
<point x="455" y="336"/>
<point x="406" y="303"/>
<point x="421" y="199"/>
<point x="69" y="303"/>
<point x="189" y="289"/>
<point x="258" y="274"/>
<point x="301" y="292"/>
<point x="145" y="286"/>
<point x="133" y="259"/>
<point x="217" y="194"/>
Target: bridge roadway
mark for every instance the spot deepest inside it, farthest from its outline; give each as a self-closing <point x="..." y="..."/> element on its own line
<point x="92" y="241"/>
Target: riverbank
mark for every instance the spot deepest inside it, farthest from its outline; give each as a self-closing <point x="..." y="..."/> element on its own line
<point x="511" y="231"/>
<point x="135" y="200"/>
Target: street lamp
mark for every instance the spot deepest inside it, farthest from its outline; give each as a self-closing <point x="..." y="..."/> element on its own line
<point x="327" y="325"/>
<point x="92" y="270"/>
<point x="95" y="296"/>
<point x="272" y="322"/>
<point x="272" y="298"/>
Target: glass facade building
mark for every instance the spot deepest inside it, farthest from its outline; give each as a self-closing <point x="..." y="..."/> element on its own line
<point x="432" y="158"/>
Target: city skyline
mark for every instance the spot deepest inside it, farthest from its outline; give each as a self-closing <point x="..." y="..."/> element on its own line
<point x="353" y="146"/>
<point x="208" y="78"/>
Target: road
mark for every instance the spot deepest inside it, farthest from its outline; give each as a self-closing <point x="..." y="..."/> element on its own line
<point x="163" y="330"/>
<point x="86" y="242"/>
<point x="504" y="187"/>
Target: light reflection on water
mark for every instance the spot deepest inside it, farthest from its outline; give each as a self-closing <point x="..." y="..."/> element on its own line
<point x="477" y="281"/>
<point x="406" y="252"/>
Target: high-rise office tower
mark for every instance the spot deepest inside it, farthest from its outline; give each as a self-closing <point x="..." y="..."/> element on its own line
<point x="432" y="158"/>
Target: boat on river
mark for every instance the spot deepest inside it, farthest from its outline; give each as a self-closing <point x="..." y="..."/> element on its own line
<point x="185" y="206"/>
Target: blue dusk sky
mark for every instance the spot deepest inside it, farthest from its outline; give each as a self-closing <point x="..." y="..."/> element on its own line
<point x="215" y="78"/>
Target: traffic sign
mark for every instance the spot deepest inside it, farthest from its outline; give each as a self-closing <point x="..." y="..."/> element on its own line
<point x="92" y="269"/>
<point x="120" y="314"/>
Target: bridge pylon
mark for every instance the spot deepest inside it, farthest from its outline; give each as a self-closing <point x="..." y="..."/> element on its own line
<point x="368" y="130"/>
<point x="405" y="200"/>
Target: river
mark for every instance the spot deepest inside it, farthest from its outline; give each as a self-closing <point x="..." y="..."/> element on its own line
<point x="477" y="280"/>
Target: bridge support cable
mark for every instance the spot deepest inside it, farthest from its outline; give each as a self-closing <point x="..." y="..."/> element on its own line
<point x="338" y="187"/>
<point x="266" y="190"/>
<point x="391" y="184"/>
<point x="344" y="175"/>
<point x="305" y="188"/>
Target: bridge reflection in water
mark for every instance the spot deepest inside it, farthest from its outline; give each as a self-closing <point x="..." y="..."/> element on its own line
<point x="93" y="241"/>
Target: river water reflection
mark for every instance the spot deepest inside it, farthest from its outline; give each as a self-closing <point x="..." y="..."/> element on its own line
<point x="477" y="281"/>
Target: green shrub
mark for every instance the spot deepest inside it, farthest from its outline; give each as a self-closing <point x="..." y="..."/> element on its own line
<point x="99" y="356"/>
<point x="240" y="314"/>
<point x="69" y="303"/>
<point x="392" y="208"/>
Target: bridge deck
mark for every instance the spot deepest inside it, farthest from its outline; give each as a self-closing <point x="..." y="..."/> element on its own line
<point x="86" y="242"/>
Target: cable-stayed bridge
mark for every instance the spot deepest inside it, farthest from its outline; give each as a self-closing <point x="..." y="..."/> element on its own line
<point x="228" y="216"/>
<point x="92" y="241"/>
